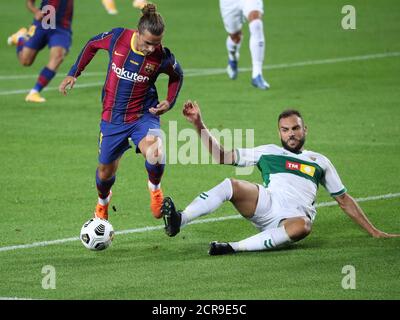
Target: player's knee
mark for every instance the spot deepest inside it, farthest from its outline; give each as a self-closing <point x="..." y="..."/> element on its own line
<point x="303" y="229"/>
<point x="307" y="227"/>
<point x="299" y="228"/>
<point x="26" y="61"/>
<point x="253" y="15"/>
<point x="237" y="190"/>
<point x="234" y="183"/>
<point x="236" y="37"/>
<point x="105" y="172"/>
<point x="154" y="154"/>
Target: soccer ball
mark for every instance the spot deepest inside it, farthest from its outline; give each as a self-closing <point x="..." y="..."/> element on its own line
<point x="97" y="234"/>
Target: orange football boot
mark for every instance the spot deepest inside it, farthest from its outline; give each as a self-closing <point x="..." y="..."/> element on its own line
<point x="13" y="39"/>
<point x="101" y="211"/>
<point x="34" y="97"/>
<point x="110" y="7"/>
<point x="139" y="4"/>
<point x="156" y="199"/>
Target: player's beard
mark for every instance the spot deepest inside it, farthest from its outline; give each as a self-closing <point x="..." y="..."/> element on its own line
<point x="299" y="146"/>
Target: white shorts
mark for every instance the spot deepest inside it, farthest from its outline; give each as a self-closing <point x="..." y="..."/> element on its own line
<point x="235" y="12"/>
<point x="271" y="210"/>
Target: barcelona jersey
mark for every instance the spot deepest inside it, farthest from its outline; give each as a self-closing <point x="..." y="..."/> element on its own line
<point x="129" y="89"/>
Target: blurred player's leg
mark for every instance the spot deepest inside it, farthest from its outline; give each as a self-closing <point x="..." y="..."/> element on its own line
<point x="233" y="21"/>
<point x="233" y="43"/>
<point x="257" y="42"/>
<point x="18" y="38"/>
<point x="109" y="5"/>
<point x="257" y="48"/>
<point x="57" y="55"/>
<point x="26" y="55"/>
<point x="44" y="78"/>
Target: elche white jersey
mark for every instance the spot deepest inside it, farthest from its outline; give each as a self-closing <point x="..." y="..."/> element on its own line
<point x="293" y="178"/>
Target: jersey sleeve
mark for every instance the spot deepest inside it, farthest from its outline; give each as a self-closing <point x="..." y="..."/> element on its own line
<point x="249" y="156"/>
<point x="172" y="68"/>
<point x="331" y="180"/>
<point x="101" y="41"/>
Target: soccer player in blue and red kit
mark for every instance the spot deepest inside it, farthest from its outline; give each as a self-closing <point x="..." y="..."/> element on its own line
<point x="130" y="102"/>
<point x="51" y="26"/>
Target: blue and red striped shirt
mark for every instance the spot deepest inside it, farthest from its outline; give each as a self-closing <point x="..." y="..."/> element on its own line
<point x="64" y="11"/>
<point x="129" y="89"/>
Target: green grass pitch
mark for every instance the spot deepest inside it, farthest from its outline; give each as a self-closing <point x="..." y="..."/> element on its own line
<point x="345" y="82"/>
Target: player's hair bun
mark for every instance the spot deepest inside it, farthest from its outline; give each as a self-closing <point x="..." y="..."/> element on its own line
<point x="151" y="20"/>
<point x="149" y="9"/>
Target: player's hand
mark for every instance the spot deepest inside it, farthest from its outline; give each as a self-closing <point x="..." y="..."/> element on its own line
<point x="191" y="111"/>
<point x="38" y="15"/>
<point x="381" y="234"/>
<point x="67" y="84"/>
<point x="161" y="108"/>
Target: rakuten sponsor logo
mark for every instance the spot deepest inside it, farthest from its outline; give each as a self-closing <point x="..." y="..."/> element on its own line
<point x="127" y="75"/>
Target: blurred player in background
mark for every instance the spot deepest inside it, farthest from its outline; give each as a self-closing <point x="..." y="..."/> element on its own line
<point x="130" y="101"/>
<point x="234" y="13"/>
<point x="58" y="37"/>
<point x="111" y="8"/>
<point x="283" y="209"/>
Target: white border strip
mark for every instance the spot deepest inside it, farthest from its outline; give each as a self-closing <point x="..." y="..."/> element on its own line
<point x="153" y="228"/>
<point x="207" y="72"/>
<point x="16" y="298"/>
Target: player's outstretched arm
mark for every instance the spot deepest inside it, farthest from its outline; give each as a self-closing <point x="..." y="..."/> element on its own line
<point x="191" y="111"/>
<point x="38" y="14"/>
<point x="67" y="84"/>
<point x="354" y="211"/>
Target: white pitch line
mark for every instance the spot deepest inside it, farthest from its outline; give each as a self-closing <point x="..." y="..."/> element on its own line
<point x="85" y="85"/>
<point x="34" y="76"/>
<point x="153" y="228"/>
<point x="210" y="71"/>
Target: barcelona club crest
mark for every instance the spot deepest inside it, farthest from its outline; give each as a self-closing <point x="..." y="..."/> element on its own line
<point x="149" y="68"/>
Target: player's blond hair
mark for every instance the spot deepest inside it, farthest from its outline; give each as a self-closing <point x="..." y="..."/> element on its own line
<point x="151" y="20"/>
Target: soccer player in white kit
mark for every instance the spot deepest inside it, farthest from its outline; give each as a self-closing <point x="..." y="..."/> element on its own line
<point x="283" y="209"/>
<point x="234" y="13"/>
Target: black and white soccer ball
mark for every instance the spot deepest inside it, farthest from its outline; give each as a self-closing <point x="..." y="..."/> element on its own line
<point x="97" y="234"/>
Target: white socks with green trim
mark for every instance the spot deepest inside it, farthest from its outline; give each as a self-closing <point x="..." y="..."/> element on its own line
<point x="265" y="240"/>
<point x="208" y="202"/>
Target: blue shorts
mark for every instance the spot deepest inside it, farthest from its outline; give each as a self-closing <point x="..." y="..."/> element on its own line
<point x="114" y="138"/>
<point x="58" y="37"/>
